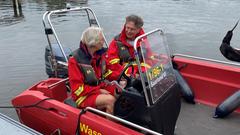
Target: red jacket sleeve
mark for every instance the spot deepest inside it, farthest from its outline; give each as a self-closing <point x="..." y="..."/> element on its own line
<point x="113" y="61"/>
<point x="76" y="80"/>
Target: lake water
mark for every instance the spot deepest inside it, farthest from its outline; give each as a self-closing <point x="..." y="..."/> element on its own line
<point x="194" y="27"/>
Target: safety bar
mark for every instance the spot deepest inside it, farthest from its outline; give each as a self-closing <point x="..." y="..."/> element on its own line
<point x="47" y="18"/>
<point x="54" y="84"/>
<point x="122" y="121"/>
<point x="62" y="63"/>
<point x="207" y="59"/>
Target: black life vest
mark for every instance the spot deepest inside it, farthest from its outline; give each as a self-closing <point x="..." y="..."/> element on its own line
<point x="124" y="53"/>
<point x="84" y="63"/>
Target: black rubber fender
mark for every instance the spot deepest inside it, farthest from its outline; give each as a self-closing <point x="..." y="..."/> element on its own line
<point x="186" y="91"/>
<point x="228" y="105"/>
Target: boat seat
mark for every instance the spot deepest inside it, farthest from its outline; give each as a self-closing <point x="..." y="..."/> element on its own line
<point x="69" y="101"/>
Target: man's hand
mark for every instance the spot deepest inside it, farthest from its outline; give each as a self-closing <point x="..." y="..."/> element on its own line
<point x="123" y="83"/>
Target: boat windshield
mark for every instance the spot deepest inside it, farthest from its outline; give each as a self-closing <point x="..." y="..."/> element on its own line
<point x="154" y="56"/>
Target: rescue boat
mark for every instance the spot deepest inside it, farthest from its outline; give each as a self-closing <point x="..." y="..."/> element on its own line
<point x="149" y="105"/>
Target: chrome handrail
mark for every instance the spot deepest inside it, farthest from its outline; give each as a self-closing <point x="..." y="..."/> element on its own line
<point x="63" y="63"/>
<point x="47" y="23"/>
<point x="122" y="121"/>
<point x="207" y="59"/>
<point x="55" y="35"/>
<point x="56" y="83"/>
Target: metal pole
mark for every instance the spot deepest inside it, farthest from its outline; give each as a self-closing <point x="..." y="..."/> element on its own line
<point x="17" y="7"/>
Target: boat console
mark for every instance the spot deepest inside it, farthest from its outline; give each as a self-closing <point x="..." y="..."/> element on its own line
<point x="152" y="100"/>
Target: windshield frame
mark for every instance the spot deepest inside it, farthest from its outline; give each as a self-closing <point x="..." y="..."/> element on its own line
<point x="148" y="94"/>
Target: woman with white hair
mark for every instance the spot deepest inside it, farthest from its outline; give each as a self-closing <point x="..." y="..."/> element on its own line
<point x="86" y="69"/>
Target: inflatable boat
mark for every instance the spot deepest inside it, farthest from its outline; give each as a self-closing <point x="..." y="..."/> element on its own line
<point x="149" y="105"/>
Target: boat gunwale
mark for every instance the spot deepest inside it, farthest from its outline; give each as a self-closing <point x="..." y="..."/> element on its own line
<point x="206" y="59"/>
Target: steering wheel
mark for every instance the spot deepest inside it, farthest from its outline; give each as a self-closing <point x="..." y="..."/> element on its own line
<point x="123" y="74"/>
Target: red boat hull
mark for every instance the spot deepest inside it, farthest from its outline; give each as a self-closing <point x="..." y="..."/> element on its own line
<point x="211" y="82"/>
<point x="59" y="116"/>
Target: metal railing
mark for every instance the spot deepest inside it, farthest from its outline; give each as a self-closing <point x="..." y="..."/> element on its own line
<point x="49" y="29"/>
<point x="122" y="121"/>
<point x="207" y="59"/>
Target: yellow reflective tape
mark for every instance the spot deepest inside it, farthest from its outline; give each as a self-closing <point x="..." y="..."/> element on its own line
<point x="114" y="61"/>
<point x="80" y="100"/>
<point x="108" y="73"/>
<point x="126" y="72"/>
<point x="133" y="63"/>
<point x="145" y="65"/>
<point x="79" y="90"/>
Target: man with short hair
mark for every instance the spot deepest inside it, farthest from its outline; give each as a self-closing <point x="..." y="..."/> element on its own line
<point x="121" y="49"/>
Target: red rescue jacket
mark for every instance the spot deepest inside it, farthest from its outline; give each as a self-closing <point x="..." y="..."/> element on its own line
<point x="78" y="74"/>
<point x="115" y="62"/>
